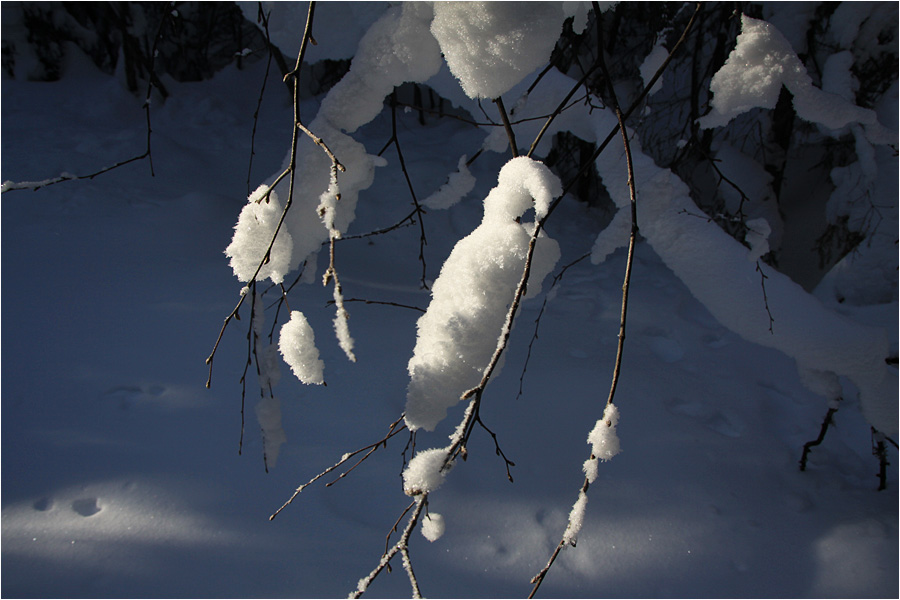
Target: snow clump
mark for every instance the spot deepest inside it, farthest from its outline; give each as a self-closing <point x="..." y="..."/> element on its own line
<point x="425" y="472"/>
<point x="761" y="62"/>
<point x="297" y="343"/>
<point x="470" y="298"/>
<point x="254" y="230"/>
<point x="492" y="46"/>
<point x="603" y="440"/>
<point x="433" y="526"/>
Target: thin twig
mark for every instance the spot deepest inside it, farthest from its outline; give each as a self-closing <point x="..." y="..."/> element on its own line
<point x="539" y="578"/>
<point x="418" y="211"/>
<point x="263" y="18"/>
<point x="10" y="186"/>
<point x="392" y="431"/>
<point x="506" y="125"/>
<point x="401" y="547"/>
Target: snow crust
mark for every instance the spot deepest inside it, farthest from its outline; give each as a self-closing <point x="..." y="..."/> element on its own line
<point x="297" y="343"/>
<point x="458" y="333"/>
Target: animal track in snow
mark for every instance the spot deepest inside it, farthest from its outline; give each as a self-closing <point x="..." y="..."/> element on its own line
<point x="86" y="507"/>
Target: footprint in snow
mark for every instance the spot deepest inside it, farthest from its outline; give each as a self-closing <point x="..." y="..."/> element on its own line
<point x="86" y="507"/>
<point x="44" y="504"/>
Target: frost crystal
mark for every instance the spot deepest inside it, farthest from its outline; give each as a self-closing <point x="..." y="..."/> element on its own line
<point x="298" y="347"/>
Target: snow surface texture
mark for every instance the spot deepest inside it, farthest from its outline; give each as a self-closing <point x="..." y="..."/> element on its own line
<point x="458" y="334"/>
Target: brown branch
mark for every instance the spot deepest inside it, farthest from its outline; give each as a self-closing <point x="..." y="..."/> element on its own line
<point x="506" y="125"/>
<point x="10" y="186"/>
<point x="539" y="578"/>
<point x="418" y="211"/>
<point x="392" y="431"/>
<point x="402" y="548"/>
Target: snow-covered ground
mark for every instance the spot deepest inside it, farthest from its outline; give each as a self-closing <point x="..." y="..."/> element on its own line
<point x="120" y="471"/>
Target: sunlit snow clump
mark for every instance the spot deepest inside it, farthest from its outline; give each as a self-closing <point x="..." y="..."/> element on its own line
<point x="458" y="334"/>
<point x="298" y="347"/>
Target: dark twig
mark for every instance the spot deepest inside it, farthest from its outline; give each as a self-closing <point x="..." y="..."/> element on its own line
<point x="152" y="81"/>
<point x="537" y="322"/>
<point x="539" y="578"/>
<point x="397" y="304"/>
<point x="393" y="430"/>
<point x="418" y="211"/>
<point x="263" y="18"/>
<point x="762" y="283"/>
<point x="826" y="423"/>
<point x="879" y="450"/>
<point x="506" y="125"/>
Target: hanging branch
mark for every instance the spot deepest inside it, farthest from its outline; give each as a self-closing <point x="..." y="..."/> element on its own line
<point x="294" y="76"/>
<point x="418" y="212"/>
<point x="10" y="186"/>
<point x="539" y="578"/>
<point x="402" y="548"/>
<point x="382" y="443"/>
<point x="261" y="17"/>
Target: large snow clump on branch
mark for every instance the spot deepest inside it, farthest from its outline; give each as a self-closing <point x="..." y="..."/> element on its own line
<point x="491" y="46"/>
<point x="470" y="298"/>
<point x="254" y="230"/>
<point x="763" y="61"/>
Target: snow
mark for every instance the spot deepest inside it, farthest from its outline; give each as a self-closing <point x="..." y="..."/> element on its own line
<point x="651" y="65"/>
<point x="121" y="475"/>
<point x="458" y="333"/>
<point x="255" y="228"/>
<point x="492" y="46"/>
<point x="426" y="472"/>
<point x="433" y="526"/>
<point x="458" y="185"/>
<point x="297" y="344"/>
<point x="761" y="63"/>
